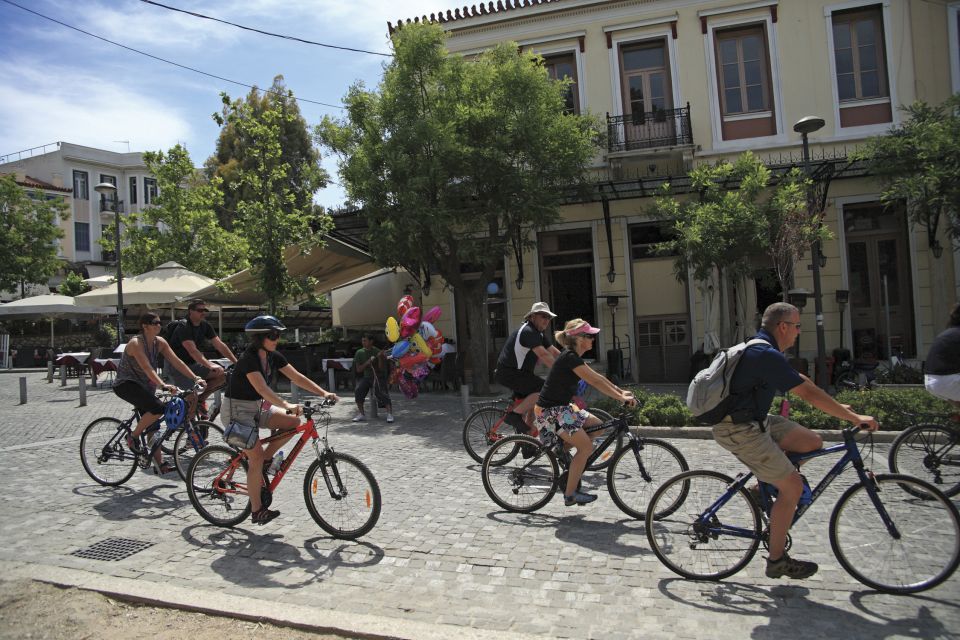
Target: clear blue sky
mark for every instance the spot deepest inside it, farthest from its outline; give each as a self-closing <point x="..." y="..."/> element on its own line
<point x="58" y="84"/>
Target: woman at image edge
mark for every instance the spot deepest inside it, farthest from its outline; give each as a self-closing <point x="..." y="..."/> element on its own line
<point x="554" y="411"/>
<point x="245" y="396"/>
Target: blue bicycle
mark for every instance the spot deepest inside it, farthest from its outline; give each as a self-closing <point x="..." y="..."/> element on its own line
<point x="894" y="533"/>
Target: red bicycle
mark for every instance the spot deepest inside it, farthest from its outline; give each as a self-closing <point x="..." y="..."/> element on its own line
<point x="340" y="491"/>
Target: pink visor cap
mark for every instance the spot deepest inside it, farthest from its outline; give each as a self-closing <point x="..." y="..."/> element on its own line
<point x="584" y="328"/>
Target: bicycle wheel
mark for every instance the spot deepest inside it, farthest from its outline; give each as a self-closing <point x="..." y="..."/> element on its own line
<point x="342" y="496"/>
<point x="930" y="452"/>
<point x="599" y="436"/>
<point x="694" y="543"/>
<point x="516" y="483"/>
<point x="217" y="486"/>
<point x="104" y="452"/>
<point x="925" y="548"/>
<point x="187" y="446"/>
<point x="482" y="429"/>
<point x="634" y="476"/>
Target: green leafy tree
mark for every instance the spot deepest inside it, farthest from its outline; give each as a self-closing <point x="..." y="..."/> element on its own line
<point x="918" y="163"/>
<point x="736" y="215"/>
<point x="73" y="285"/>
<point x="182" y="226"/>
<point x="28" y="233"/>
<point x="453" y="160"/>
<point x="275" y="212"/>
<point x="233" y="154"/>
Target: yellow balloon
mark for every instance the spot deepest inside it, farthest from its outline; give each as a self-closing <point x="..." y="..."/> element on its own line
<point x="393" y="329"/>
<point x="420" y="343"/>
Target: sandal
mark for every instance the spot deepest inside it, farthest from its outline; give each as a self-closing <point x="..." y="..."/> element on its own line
<point x="264" y="515"/>
<point x="165" y="468"/>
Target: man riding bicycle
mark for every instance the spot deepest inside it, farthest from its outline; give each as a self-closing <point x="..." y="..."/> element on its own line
<point x="188" y="339"/>
<point x="759" y="440"/>
<point x="526" y="345"/>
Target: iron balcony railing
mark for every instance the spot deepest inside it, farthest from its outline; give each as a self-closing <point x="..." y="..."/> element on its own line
<point x="659" y="128"/>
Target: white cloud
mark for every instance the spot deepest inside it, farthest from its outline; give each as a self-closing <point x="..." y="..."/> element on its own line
<point x="42" y="106"/>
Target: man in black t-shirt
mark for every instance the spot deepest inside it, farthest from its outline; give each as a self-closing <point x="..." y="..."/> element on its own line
<point x="187" y="341"/>
<point x="526" y="345"/>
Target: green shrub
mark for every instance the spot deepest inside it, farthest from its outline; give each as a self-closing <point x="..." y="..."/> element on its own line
<point x="886" y="405"/>
<point x="652" y="409"/>
<point x="900" y="374"/>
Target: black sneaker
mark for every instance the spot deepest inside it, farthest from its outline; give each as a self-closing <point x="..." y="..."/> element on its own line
<point x="264" y="515"/>
<point x="787" y="566"/>
<point x="515" y="420"/>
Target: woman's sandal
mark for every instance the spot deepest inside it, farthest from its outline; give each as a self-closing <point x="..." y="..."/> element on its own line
<point x="166" y="468"/>
<point x="264" y="515"/>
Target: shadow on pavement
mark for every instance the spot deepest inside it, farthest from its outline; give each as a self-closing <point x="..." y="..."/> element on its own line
<point x="123" y="503"/>
<point x="263" y="560"/>
<point x="791" y="614"/>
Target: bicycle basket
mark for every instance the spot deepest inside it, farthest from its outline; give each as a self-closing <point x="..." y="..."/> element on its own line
<point x="240" y="435"/>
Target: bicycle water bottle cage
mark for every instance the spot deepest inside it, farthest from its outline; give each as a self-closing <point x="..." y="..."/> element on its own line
<point x="174" y="412"/>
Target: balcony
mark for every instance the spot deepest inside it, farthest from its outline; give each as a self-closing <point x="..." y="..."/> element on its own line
<point x="651" y="130"/>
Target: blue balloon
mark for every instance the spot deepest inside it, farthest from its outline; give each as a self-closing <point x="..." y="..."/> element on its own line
<point x="400" y="348"/>
<point x="492" y="288"/>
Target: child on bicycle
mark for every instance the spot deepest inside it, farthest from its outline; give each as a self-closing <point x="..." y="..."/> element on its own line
<point x="137" y="379"/>
<point x="942" y="377"/>
<point x="249" y="400"/>
<point x="554" y="410"/>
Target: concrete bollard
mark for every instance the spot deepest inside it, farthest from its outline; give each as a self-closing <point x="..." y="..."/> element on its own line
<point x="63" y="375"/>
<point x="23" y="390"/>
<point x="82" y="383"/>
<point x="49" y="371"/>
<point x="464" y="401"/>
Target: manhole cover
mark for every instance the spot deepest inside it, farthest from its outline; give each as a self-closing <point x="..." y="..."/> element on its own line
<point x="112" y="549"/>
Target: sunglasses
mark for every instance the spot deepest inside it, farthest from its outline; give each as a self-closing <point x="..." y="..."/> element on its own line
<point x="796" y="324"/>
<point x="273" y="335"/>
<point x="589" y="336"/>
<point x="201" y="310"/>
<point x="155" y="322"/>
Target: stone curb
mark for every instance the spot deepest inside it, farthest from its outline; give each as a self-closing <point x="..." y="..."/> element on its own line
<point x="250" y="609"/>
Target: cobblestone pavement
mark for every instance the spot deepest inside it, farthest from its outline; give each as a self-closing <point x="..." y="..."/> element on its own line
<point x="442" y="553"/>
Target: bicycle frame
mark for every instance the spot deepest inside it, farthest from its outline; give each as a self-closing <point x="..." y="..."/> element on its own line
<point x="851" y="455"/>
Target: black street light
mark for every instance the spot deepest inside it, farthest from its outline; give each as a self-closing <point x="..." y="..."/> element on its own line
<point x="108" y="189"/>
<point x="804" y="127"/>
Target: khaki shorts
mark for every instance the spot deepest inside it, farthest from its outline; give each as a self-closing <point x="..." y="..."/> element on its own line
<point x="246" y="412"/>
<point x="756" y="449"/>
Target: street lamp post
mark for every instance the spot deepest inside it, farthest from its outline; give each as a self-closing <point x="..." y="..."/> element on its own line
<point x="107" y="189"/>
<point x="804" y="127"/>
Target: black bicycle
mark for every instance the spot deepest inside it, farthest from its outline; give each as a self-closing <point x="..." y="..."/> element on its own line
<point x="107" y="457"/>
<point x="929" y="450"/>
<point x="524" y="484"/>
<point x="705" y="525"/>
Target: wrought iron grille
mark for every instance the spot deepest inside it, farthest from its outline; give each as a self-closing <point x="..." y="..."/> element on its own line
<point x="649" y="130"/>
<point x="112" y="549"/>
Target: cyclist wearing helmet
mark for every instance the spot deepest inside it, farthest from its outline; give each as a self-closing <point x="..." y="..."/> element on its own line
<point x="249" y="400"/>
<point x="137" y="378"/>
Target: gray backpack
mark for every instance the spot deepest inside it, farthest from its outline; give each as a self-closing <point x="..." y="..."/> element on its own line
<point x="708" y="396"/>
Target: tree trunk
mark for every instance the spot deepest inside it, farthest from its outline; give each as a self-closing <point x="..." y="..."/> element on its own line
<point x="479" y="343"/>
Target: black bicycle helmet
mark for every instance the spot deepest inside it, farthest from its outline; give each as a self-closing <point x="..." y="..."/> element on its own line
<point x="264" y="324"/>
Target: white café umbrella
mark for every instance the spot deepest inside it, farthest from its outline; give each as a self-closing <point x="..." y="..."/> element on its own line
<point x="50" y="306"/>
<point x="164" y="285"/>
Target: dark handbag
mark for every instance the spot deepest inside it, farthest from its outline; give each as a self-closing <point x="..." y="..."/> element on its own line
<point x="241" y="435"/>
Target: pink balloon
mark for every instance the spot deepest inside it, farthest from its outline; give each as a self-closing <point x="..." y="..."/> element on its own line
<point x="432" y="316"/>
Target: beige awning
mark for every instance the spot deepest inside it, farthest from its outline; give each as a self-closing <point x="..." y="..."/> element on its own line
<point x="162" y="286"/>
<point x="333" y="265"/>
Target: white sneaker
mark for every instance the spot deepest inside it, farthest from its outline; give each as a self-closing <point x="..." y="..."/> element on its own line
<point x="389" y="417"/>
<point x="359" y="418"/>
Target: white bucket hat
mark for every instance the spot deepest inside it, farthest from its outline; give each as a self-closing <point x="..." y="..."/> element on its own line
<point x="540" y="307"/>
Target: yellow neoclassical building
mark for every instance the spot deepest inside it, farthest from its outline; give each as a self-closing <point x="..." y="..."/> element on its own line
<point x="685" y="82"/>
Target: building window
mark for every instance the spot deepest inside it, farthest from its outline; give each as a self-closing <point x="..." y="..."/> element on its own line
<point x="149" y="190"/>
<point x="645" y="237"/>
<point x="743" y="70"/>
<point x="108" y="202"/>
<point x="81" y="236"/>
<point x="559" y="68"/>
<point x="133" y="190"/>
<point x="81" y="185"/>
<point x="858" y="54"/>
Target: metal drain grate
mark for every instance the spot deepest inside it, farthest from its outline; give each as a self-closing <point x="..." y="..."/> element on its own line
<point x="112" y="549"/>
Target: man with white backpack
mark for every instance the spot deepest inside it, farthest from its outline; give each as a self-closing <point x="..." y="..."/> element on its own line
<point x="750" y="376"/>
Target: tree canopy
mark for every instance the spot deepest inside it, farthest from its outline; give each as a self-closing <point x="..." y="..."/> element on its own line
<point x="232" y="153"/>
<point x="918" y="163"/>
<point x="182" y="225"/>
<point x="455" y="160"/>
<point x="29" y="230"/>
<point x="73" y="285"/>
<point x="275" y="208"/>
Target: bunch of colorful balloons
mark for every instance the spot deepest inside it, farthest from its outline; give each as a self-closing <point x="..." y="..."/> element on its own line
<point x="416" y="345"/>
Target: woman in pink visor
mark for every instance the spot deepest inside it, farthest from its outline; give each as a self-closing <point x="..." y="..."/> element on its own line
<point x="554" y="411"/>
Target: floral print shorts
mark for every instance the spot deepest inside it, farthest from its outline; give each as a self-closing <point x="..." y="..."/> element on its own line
<point x="566" y="418"/>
